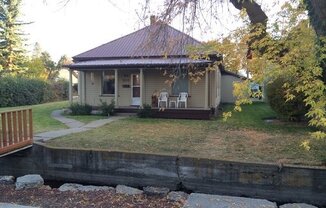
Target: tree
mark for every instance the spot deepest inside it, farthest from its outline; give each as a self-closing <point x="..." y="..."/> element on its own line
<point x="53" y="68"/>
<point x="295" y="50"/>
<point x="269" y="55"/>
<point x="41" y="65"/>
<point x="49" y="65"/>
<point x="35" y="68"/>
<point x="11" y="41"/>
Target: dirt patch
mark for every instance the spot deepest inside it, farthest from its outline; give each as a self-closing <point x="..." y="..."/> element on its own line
<point x="253" y="136"/>
<point x="47" y="197"/>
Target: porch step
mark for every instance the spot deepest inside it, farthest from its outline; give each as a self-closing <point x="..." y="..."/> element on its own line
<point x="126" y="111"/>
<point x="200" y="114"/>
<point x="126" y="114"/>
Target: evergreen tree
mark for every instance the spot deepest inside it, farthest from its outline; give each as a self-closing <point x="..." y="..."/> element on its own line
<point x="11" y="41"/>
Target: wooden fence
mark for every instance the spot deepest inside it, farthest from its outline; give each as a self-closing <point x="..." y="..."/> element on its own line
<point x="16" y="130"/>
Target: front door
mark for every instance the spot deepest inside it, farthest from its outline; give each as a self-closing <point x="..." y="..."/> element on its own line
<point x="135" y="89"/>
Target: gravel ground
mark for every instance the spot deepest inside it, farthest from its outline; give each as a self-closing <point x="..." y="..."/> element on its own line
<point x="47" y="197"/>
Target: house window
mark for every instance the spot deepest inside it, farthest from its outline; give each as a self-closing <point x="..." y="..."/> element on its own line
<point x="108" y="86"/>
<point x="180" y="85"/>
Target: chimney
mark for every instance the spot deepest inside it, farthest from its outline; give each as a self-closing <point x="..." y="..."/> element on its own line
<point x="153" y="19"/>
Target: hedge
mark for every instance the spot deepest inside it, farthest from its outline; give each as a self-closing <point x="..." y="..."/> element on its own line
<point x="17" y="91"/>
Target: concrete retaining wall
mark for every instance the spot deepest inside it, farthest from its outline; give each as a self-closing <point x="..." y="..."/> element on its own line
<point x="269" y="181"/>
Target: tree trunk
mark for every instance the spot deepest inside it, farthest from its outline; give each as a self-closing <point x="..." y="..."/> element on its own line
<point x="254" y="11"/>
<point x="258" y="20"/>
<point x="317" y="14"/>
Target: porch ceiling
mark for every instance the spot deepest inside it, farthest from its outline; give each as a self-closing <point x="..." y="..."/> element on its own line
<point x="137" y="63"/>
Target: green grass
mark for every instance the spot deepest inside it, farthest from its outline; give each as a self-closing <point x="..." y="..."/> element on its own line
<point x="252" y="116"/>
<point x="42" y="120"/>
<point x="244" y="137"/>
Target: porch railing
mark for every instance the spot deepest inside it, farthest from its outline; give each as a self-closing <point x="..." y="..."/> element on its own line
<point x="16" y="130"/>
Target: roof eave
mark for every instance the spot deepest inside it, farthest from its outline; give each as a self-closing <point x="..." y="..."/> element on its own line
<point x="135" y="66"/>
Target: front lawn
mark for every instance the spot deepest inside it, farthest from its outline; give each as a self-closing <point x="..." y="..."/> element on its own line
<point x="42" y="120"/>
<point x="244" y="137"/>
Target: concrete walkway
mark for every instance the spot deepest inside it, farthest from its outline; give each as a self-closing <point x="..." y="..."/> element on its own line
<point x="74" y="126"/>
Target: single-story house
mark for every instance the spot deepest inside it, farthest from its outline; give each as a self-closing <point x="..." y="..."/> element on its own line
<point x="133" y="70"/>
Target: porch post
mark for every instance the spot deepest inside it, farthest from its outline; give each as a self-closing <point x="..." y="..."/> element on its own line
<point x="116" y="78"/>
<point x="79" y="86"/>
<point x="206" y="89"/>
<point x="84" y="88"/>
<point x="218" y="87"/>
<point x="70" y="86"/>
<point x="141" y="86"/>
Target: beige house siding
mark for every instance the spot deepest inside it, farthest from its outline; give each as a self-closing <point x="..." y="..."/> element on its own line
<point x="197" y="93"/>
<point x="215" y="88"/>
<point x="218" y="87"/>
<point x="212" y="89"/>
<point x="227" y="88"/>
<point x="154" y="82"/>
<point x="94" y="89"/>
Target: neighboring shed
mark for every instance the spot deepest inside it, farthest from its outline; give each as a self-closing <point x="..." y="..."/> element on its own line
<point x="227" y="80"/>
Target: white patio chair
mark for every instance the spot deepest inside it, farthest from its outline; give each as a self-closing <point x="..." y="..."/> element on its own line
<point x="182" y="98"/>
<point x="164" y="96"/>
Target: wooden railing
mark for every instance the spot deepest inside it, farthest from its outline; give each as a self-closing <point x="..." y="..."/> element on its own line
<point x="16" y="130"/>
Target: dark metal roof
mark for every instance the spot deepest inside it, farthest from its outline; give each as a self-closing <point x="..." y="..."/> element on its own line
<point x="156" y="40"/>
<point x="137" y="63"/>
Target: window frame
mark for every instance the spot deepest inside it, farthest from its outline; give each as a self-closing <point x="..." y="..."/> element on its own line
<point x="185" y="79"/>
<point x="110" y="72"/>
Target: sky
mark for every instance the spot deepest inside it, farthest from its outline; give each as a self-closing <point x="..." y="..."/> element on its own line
<point x="83" y="24"/>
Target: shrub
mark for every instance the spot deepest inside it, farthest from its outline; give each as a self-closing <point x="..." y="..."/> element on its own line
<point x="145" y="111"/>
<point x="107" y="109"/>
<point x="78" y="109"/>
<point x="293" y="110"/>
<point x="60" y="88"/>
<point x="16" y="91"/>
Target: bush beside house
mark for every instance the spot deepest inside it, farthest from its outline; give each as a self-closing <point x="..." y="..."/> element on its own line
<point x="17" y="91"/>
<point x="293" y="110"/>
<point x="107" y="109"/>
<point x="145" y="111"/>
<point x="79" y="109"/>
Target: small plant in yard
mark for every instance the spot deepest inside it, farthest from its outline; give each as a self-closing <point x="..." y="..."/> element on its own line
<point x="79" y="109"/>
<point x="107" y="109"/>
<point x="145" y="111"/>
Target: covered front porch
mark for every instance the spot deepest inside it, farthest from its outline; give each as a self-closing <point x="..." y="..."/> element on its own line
<point x="132" y="87"/>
